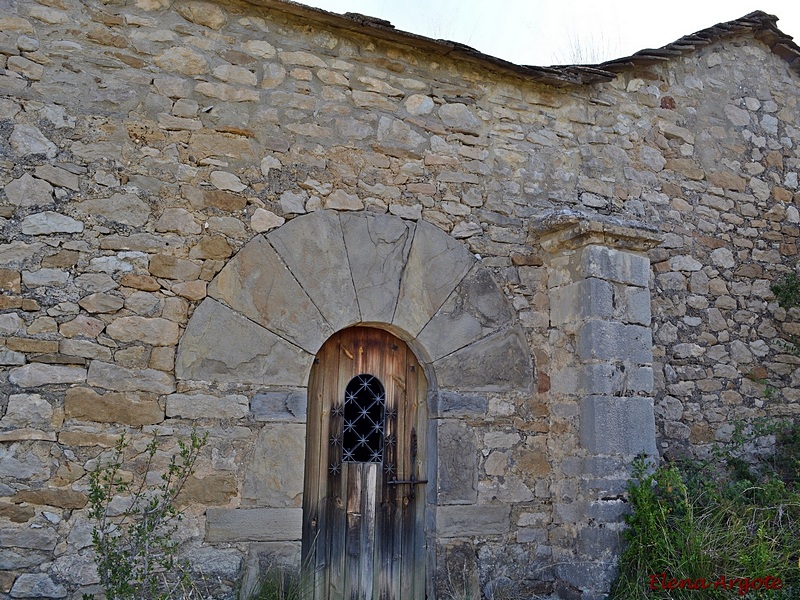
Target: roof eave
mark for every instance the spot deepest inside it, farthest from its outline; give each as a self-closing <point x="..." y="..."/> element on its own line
<point x="761" y="25"/>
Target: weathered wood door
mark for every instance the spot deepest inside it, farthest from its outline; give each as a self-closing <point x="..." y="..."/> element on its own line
<point x="364" y="498"/>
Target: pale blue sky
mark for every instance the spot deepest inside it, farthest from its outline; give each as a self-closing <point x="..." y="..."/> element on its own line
<point x="545" y="32"/>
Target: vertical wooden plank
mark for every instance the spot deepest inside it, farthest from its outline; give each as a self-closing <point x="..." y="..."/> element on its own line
<point x="367" y="540"/>
<point x="352" y="548"/>
<point x="315" y="497"/>
<point x="418" y="393"/>
<point x="339" y="484"/>
<point x="371" y="351"/>
<point x="398" y="401"/>
<point x="331" y="489"/>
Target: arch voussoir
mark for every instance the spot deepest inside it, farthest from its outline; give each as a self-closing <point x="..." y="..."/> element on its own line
<point x="499" y="362"/>
<point x="293" y="288"/>
<point x="221" y="345"/>
<point x="436" y="265"/>
<point x="476" y="308"/>
<point x="313" y="249"/>
<point x="377" y="250"/>
<point x="257" y="284"/>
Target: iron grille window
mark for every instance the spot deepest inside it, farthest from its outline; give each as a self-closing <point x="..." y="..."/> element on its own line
<point x="363" y="420"/>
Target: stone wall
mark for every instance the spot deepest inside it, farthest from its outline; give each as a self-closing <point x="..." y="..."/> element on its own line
<point x="145" y="143"/>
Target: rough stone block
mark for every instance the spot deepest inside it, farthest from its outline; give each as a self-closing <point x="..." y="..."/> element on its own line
<point x="253" y="524"/>
<point x="283" y="405"/>
<point x="169" y="267"/>
<point x="611" y="340"/>
<point x="275" y="475"/>
<point x="597" y="542"/>
<point x="216" y="562"/>
<point x="155" y="332"/>
<point x="612" y="379"/>
<point x="498" y="362"/>
<point x="128" y="209"/>
<point x="314" y="250"/>
<point x="76" y="569"/>
<point x="27" y="411"/>
<point x="264" y="556"/>
<point x="607" y="511"/>
<point x="593" y="577"/>
<point x="457" y="557"/>
<point x="28" y="191"/>
<point x="58" y="176"/>
<point x="615" y="265"/>
<point x="36" y="374"/>
<point x="634" y="305"/>
<point x="216" y="489"/>
<point x="49" y="222"/>
<point x="580" y="300"/>
<point x="612" y="425"/>
<point x="640" y="380"/>
<point x="61" y="498"/>
<point x="11" y="560"/>
<point x="222" y="345"/>
<point x="45" y="278"/>
<point x="205" y="406"/>
<point x="456" y="463"/>
<point x="33" y="539"/>
<point x="11" y="358"/>
<point x="37" y="585"/>
<point x="471" y="520"/>
<point x="508" y="490"/>
<point x="120" y="379"/>
<point x="452" y="404"/>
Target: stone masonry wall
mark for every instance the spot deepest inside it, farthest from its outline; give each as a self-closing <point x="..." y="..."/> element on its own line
<point x="142" y="144"/>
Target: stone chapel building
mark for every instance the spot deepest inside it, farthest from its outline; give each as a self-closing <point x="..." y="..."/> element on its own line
<point x="427" y="304"/>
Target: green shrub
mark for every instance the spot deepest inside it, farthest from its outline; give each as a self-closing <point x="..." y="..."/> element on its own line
<point x="135" y="548"/>
<point x="698" y="522"/>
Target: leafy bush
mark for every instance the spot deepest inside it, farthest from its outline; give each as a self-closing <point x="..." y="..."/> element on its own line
<point x="716" y="525"/>
<point x="135" y="548"/>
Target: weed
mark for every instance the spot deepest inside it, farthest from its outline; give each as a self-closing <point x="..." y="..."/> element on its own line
<point x="723" y="517"/>
<point x="135" y="548"/>
<point x="278" y="584"/>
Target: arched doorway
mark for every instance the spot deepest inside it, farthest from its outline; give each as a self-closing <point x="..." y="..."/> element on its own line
<point x="365" y="472"/>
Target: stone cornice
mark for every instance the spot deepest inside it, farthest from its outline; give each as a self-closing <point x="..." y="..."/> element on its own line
<point x="571" y="229"/>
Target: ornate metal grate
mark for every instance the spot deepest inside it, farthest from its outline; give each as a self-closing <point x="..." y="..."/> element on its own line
<point x="363" y="420"/>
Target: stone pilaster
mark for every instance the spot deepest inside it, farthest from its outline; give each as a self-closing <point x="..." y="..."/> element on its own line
<point x="598" y="284"/>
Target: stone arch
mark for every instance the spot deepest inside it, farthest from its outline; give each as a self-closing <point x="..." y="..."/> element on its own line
<point x="284" y="293"/>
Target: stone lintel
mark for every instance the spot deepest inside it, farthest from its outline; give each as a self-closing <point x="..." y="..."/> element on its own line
<point x="254" y="524"/>
<point x="566" y="229"/>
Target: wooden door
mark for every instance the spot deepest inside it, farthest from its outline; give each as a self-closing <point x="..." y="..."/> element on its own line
<point x="364" y="497"/>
